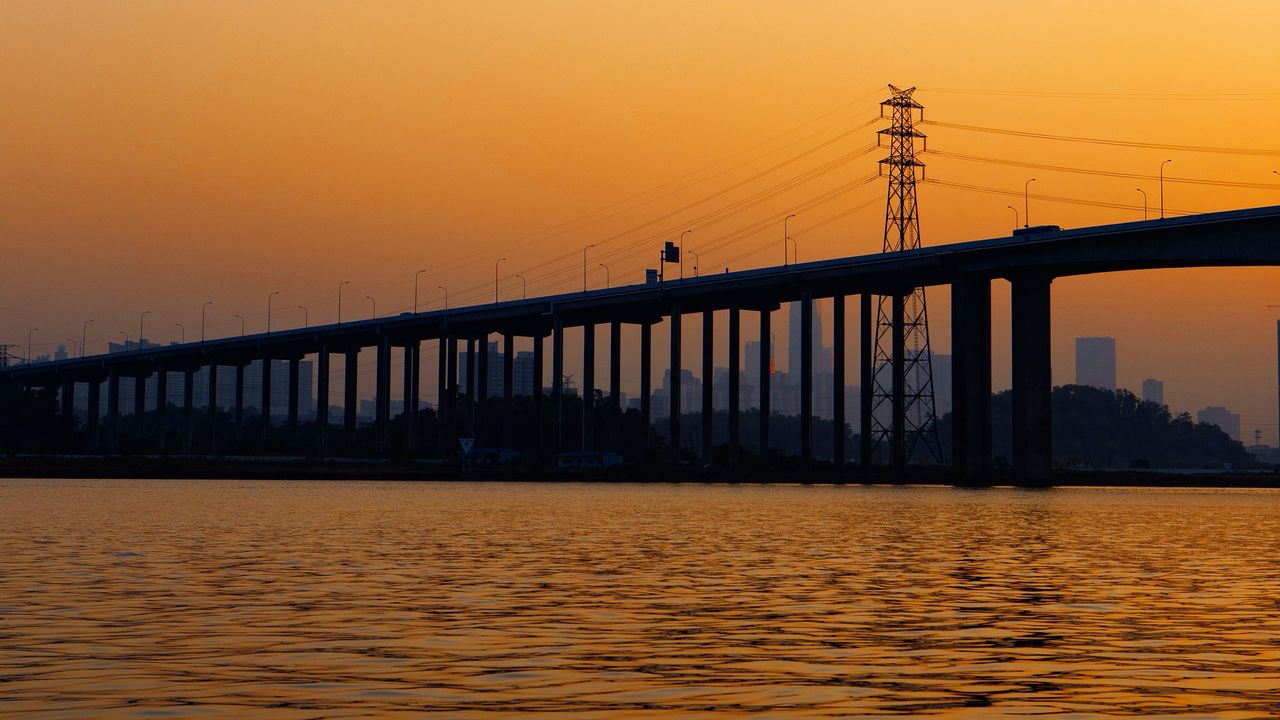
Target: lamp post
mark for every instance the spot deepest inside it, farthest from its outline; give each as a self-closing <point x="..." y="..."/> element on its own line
<point x="607" y="283"/>
<point x="495" y="279"/>
<point x="142" y="318"/>
<point x="1016" y="220"/>
<point x="30" y="332"/>
<point x="785" y="237"/>
<point x="306" y="317"/>
<point x="241" y="319"/>
<point x="686" y="232"/>
<point x="344" y="282"/>
<point x="203" y="315"/>
<point x="584" y="267"/>
<point x="84" y="330"/>
<point x="73" y="346"/>
<point x="1166" y="162"/>
<point x="415" y="289"/>
<point x="1144" y="202"/>
<point x="524" y="287"/>
<point x="446" y="296"/>
<point x="126" y="340"/>
<point x="182" y="337"/>
<point x="273" y="294"/>
<point x="375" y="306"/>
<point x="1026" y="203"/>
<point x="697" y="260"/>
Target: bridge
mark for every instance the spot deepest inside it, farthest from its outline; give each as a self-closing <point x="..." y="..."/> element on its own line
<point x="1029" y="261"/>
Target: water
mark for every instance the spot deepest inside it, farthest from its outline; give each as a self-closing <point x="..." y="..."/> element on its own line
<point x="124" y="599"/>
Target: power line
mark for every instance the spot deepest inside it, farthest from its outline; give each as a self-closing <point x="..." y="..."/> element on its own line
<point x="1110" y="95"/>
<point x="1105" y="141"/>
<point x="1105" y="173"/>
<point x="1050" y="198"/>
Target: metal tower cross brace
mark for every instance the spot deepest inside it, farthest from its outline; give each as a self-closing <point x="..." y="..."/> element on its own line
<point x="902" y="232"/>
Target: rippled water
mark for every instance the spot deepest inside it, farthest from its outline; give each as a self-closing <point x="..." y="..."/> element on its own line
<point x="319" y="599"/>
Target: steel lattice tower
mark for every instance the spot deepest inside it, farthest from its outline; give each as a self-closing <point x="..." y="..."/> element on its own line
<point x="902" y="232"/>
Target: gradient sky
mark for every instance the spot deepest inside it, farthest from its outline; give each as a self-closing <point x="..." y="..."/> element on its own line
<point x="160" y="154"/>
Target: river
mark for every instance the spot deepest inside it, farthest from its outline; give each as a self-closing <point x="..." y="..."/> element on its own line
<point x="241" y="598"/>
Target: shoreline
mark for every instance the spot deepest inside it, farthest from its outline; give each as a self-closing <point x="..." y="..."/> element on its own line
<point x="287" y="468"/>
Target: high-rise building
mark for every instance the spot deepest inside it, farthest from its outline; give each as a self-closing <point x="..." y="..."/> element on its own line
<point x="942" y="383"/>
<point x="690" y="395"/>
<point x="1153" y="391"/>
<point x="821" y="354"/>
<point x="1226" y="420"/>
<point x="523" y="371"/>
<point x="1096" y="362"/>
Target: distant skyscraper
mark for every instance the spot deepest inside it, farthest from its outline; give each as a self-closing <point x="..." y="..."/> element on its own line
<point x="523" y="371"/>
<point x="1153" y="391"/>
<point x="821" y="354"/>
<point x="1096" y="362"/>
<point x="1226" y="420"/>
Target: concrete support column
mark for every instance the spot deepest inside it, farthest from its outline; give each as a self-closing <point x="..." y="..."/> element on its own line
<point x="451" y="397"/>
<point x="139" y="406"/>
<point x="766" y="352"/>
<point x="93" y="411"/>
<point x="412" y="396"/>
<point x="162" y="408"/>
<point x="113" y="411"/>
<point x="294" y="371"/>
<point x="382" y="395"/>
<point x="1032" y="380"/>
<point x="646" y="385"/>
<point x="213" y="406"/>
<point x="322" y="401"/>
<point x="971" y="380"/>
<point x="442" y="395"/>
<point x="898" y="428"/>
<point x="735" y="384"/>
<point x="708" y="373"/>
<point x="866" y="373"/>
<point x="482" y="391"/>
<point x="806" y="378"/>
<point x="239" y="409"/>
<point x="837" y="381"/>
<point x="188" y="409"/>
<point x="557" y="386"/>
<point x="539" y="353"/>
<point x="471" y="387"/>
<point x="589" y="386"/>
<point x="266" y="398"/>
<point x="508" y="389"/>
<point x="675" y="384"/>
<point x="615" y="386"/>
<point x="66" y="397"/>
<point x="349" y="389"/>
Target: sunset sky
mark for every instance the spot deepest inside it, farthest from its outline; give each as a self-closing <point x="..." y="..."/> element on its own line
<point x="155" y="155"/>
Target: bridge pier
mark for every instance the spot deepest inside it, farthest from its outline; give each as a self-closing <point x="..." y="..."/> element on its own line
<point x="239" y="408"/>
<point x="412" y="396"/>
<point x="349" y="388"/>
<point x="94" y="412"/>
<point x="766" y="353"/>
<point x="482" y="391"/>
<point x="675" y="368"/>
<point x="266" y="398"/>
<point x="450" y="424"/>
<point x="539" y="364"/>
<point x="139" y="407"/>
<point x="615" y="386"/>
<point x="66" y="397"/>
<point x="557" y="387"/>
<point x="806" y="379"/>
<point x="508" y="389"/>
<point x="646" y="387"/>
<point x="213" y="406"/>
<point x="382" y="394"/>
<point x="471" y="387"/>
<point x="971" y="383"/>
<point x="866" y="372"/>
<point x="322" y="400"/>
<point x="588" y="385"/>
<point x="708" y="375"/>
<point x="735" y="385"/>
<point x="188" y="409"/>
<point x="1032" y="380"/>
<point x="162" y="408"/>
<point x="837" y="381"/>
<point x="442" y="394"/>
<point x="113" y="410"/>
<point x="294" y="371"/>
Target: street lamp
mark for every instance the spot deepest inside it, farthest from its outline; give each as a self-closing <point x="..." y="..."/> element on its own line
<point x="415" y="289"/>
<point x="606" y="275"/>
<point x="785" y="237"/>
<point x="1026" y="203"/>
<point x="495" y="279"/>
<point x="126" y="339"/>
<point x="241" y="319"/>
<point x="375" y="305"/>
<point x="203" y="313"/>
<point x="524" y="287"/>
<point x="73" y="346"/>
<point x="273" y="294"/>
<point x="697" y="260"/>
<point x="1166" y="162"/>
<point x="584" y="267"/>
<point x="686" y="232"/>
<point x="344" y="282"/>
<point x="141" y="318"/>
<point x="84" y="329"/>
<point x="1016" y="220"/>
<point x="182" y="338"/>
<point x="446" y="296"/>
<point x="30" y="332"/>
<point x="1144" y="202"/>
<point x="306" y="317"/>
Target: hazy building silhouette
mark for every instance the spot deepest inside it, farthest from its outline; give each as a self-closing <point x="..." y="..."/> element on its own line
<point x="1226" y="420"/>
<point x="1153" y="391"/>
<point x="1096" y="362"/>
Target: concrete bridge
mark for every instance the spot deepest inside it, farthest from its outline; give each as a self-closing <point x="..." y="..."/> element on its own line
<point x="1028" y="261"/>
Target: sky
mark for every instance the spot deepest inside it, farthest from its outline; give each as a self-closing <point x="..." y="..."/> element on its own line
<point x="156" y="155"/>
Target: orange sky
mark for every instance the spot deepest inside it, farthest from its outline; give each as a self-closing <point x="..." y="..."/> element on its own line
<point x="158" y="154"/>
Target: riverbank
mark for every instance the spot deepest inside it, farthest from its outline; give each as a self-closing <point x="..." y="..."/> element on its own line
<point x="286" y="468"/>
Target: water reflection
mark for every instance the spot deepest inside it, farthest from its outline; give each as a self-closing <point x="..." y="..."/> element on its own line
<point x="266" y="599"/>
